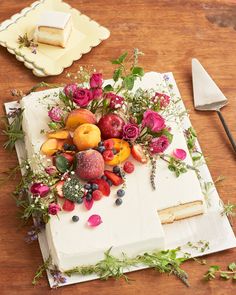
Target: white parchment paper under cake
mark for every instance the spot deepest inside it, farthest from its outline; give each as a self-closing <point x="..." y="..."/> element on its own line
<point x="211" y="226"/>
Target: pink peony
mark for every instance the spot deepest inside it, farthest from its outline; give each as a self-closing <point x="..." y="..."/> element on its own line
<point x="55" y="114"/>
<point x="162" y="98"/>
<point x="159" y="145"/>
<point x="153" y="120"/>
<point x="39" y="189"/>
<point x="82" y="97"/>
<point x="116" y="101"/>
<point x="179" y="154"/>
<point x="70" y="90"/>
<point x="131" y="131"/>
<point x="53" y="208"/>
<point x="96" y="80"/>
<point x="97" y="93"/>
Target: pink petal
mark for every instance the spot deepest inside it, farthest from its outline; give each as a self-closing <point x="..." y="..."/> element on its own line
<point x="88" y="204"/>
<point x="179" y="154"/>
<point x="94" y="220"/>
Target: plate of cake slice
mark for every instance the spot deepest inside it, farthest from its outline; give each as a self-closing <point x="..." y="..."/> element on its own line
<point x="50" y="35"/>
<point x="110" y="173"/>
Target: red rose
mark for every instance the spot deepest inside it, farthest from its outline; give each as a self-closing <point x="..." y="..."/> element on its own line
<point x="96" y="80"/>
<point x="82" y="97"/>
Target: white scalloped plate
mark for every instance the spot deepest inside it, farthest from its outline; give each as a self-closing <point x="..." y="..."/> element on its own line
<point x="51" y="60"/>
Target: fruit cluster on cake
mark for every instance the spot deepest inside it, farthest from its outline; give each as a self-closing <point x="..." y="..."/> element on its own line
<point x="110" y="165"/>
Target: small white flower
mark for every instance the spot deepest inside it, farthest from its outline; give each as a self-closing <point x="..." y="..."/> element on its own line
<point x="72" y="172"/>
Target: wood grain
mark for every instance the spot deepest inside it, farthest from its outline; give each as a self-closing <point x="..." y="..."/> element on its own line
<point x="170" y="33"/>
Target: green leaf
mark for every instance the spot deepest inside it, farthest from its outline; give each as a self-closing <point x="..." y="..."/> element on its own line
<point x="120" y="59"/>
<point x="108" y="88"/>
<point x="224" y="276"/>
<point x="214" y="268"/>
<point x="117" y="74"/>
<point x="168" y="135"/>
<point x="234" y="277"/>
<point x="129" y="82"/>
<point x="62" y="164"/>
<point x="232" y="266"/>
<point x="138" y="71"/>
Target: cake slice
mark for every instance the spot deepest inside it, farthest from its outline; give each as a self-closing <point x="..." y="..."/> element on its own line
<point x="54" y="28"/>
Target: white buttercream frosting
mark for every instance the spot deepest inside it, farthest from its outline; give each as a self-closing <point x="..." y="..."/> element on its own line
<point x="132" y="228"/>
<point x="53" y="19"/>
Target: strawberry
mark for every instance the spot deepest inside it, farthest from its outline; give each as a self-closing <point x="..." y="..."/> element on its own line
<point x="138" y="154"/>
<point x="116" y="180"/>
<point x="68" y="205"/>
<point x="58" y="188"/>
<point x="109" y="144"/>
<point x="108" y="155"/>
<point x="103" y="186"/>
<point x="97" y="195"/>
<point x="128" y="167"/>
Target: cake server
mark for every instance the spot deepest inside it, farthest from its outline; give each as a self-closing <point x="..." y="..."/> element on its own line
<point x="208" y="96"/>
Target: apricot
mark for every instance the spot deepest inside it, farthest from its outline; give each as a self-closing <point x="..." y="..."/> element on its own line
<point x="86" y="136"/>
<point x="59" y="134"/>
<point x="78" y="117"/>
<point x="49" y="147"/>
<point x="123" y="152"/>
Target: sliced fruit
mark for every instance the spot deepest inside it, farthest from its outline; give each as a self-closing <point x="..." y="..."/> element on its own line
<point x="103" y="186"/>
<point x="59" y="134"/>
<point x="68" y="156"/>
<point x="49" y="147"/>
<point x="78" y="117"/>
<point x="123" y="152"/>
<point x="58" y="188"/>
<point x="138" y="153"/>
<point x="68" y="205"/>
<point x="88" y="204"/>
<point x="116" y="180"/>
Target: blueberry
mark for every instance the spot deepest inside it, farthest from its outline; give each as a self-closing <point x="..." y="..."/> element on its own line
<point x="73" y="147"/>
<point x="116" y="169"/>
<point x="89" y="197"/>
<point x="101" y="143"/>
<point x="119" y="202"/>
<point x="101" y="149"/>
<point x="109" y="182"/>
<point x="120" y="193"/>
<point x="66" y="146"/>
<point x="80" y="200"/>
<point x="94" y="186"/>
<point x="75" y="218"/>
<point x="104" y="177"/>
<point x="87" y="186"/>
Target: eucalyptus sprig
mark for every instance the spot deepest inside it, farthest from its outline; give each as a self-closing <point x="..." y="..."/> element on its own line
<point x="229" y="210"/>
<point x="13" y="130"/>
<point x="216" y="272"/>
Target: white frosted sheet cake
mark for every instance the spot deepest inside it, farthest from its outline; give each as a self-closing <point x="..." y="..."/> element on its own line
<point x="133" y="228"/>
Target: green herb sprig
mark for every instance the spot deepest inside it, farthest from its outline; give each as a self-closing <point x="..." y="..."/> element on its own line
<point x="24" y="41"/>
<point x="13" y="130"/>
<point x="216" y="272"/>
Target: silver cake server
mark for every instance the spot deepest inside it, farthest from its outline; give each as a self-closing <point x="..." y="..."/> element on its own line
<point x="208" y="96"/>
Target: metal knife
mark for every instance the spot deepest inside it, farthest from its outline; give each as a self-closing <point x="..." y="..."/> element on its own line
<point x="208" y="96"/>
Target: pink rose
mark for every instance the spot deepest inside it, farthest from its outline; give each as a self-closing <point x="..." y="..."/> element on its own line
<point x="116" y="101"/>
<point x="70" y="90"/>
<point x="39" y="189"/>
<point x="55" y="114"/>
<point x="162" y="98"/>
<point x="159" y="145"/>
<point x="131" y="131"/>
<point x="53" y="208"/>
<point x="179" y="154"/>
<point x="153" y="120"/>
<point x="51" y="170"/>
<point x="82" y="97"/>
<point x="97" y="93"/>
<point x="96" y="80"/>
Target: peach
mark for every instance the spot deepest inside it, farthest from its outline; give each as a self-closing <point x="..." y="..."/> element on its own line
<point x="89" y="164"/>
<point x="123" y="152"/>
<point x="59" y="134"/>
<point x="78" y="117"/>
<point x="49" y="147"/>
<point x="86" y="136"/>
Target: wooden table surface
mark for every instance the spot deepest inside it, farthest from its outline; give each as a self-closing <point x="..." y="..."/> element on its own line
<point x="170" y="33"/>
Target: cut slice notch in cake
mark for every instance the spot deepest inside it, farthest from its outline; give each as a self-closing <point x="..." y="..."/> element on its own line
<point x="54" y="28"/>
